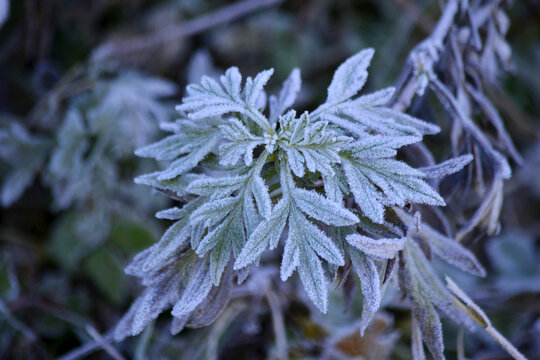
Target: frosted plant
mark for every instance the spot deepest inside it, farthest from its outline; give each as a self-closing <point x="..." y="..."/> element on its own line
<point x="324" y="185"/>
<point x="25" y="153"/>
<point x="84" y="161"/>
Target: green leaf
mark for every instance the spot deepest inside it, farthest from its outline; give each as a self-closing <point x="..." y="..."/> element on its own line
<point x="106" y="273"/>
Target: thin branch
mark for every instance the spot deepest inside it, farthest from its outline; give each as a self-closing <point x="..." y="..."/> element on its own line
<point x="478" y="315"/>
<point x="88" y="348"/>
<point x="104" y="343"/>
<point x="278" y="324"/>
<point x="174" y="33"/>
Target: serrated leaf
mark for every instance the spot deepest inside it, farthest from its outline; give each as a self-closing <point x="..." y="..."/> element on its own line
<point x="253" y="88"/>
<point x="365" y="193"/>
<point x="220" y="234"/>
<point x="212" y="212"/>
<point x="378" y="146"/>
<point x="398" y="182"/>
<point x="165" y="149"/>
<point x="209" y="186"/>
<point x="323" y="209"/>
<point x="310" y="143"/>
<point x="188" y="162"/>
<point x="350" y="77"/>
<point x="317" y="240"/>
<point x="312" y="276"/>
<point x="266" y="234"/>
<point x="241" y="143"/>
<point x="290" y="259"/>
<point x="172" y="240"/>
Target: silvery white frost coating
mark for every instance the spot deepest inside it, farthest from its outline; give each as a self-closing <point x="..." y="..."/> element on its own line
<point x="319" y="185"/>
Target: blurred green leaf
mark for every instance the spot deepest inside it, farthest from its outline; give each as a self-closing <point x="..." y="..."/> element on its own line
<point x="131" y="237"/>
<point x="106" y="274"/>
<point x="66" y="247"/>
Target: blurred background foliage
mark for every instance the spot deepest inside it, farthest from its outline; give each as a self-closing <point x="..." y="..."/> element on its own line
<point x="84" y="83"/>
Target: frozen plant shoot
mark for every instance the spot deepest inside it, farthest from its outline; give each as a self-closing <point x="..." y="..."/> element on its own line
<point x="324" y="186"/>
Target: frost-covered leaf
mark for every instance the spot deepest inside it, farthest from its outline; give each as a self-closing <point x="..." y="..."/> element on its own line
<point x="262" y="198"/>
<point x="189" y="161"/>
<point x="210" y="98"/>
<point x="430" y="327"/>
<point x="365" y="193"/>
<point x="196" y="290"/>
<point x="164" y="285"/>
<point x="316" y="238"/>
<point x="174" y="213"/>
<point x="223" y="186"/>
<point x="231" y="237"/>
<point x="424" y="283"/>
<point x="214" y="304"/>
<point x="398" y="182"/>
<point x="172" y="240"/>
<point x="310" y="144"/>
<point x="312" y="275"/>
<point x="227" y="231"/>
<point x="253" y="88"/>
<point x="241" y="143"/>
<point x="361" y="120"/>
<point x="25" y="153"/>
<point x="290" y="259"/>
<point x="251" y="218"/>
<point x="166" y="149"/>
<point x="266" y="234"/>
<point x="323" y="209"/>
<point x="367" y="272"/>
<point x="448" y="167"/>
<point x="287" y="95"/>
<point x="446" y="248"/>
<point x="177" y="185"/>
<point x="377" y="98"/>
<point x="240" y="200"/>
<point x="212" y="212"/>
<point x="378" y="146"/>
<point x="350" y="77"/>
<point x="335" y="186"/>
<point x="417" y="346"/>
<point x="380" y="248"/>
